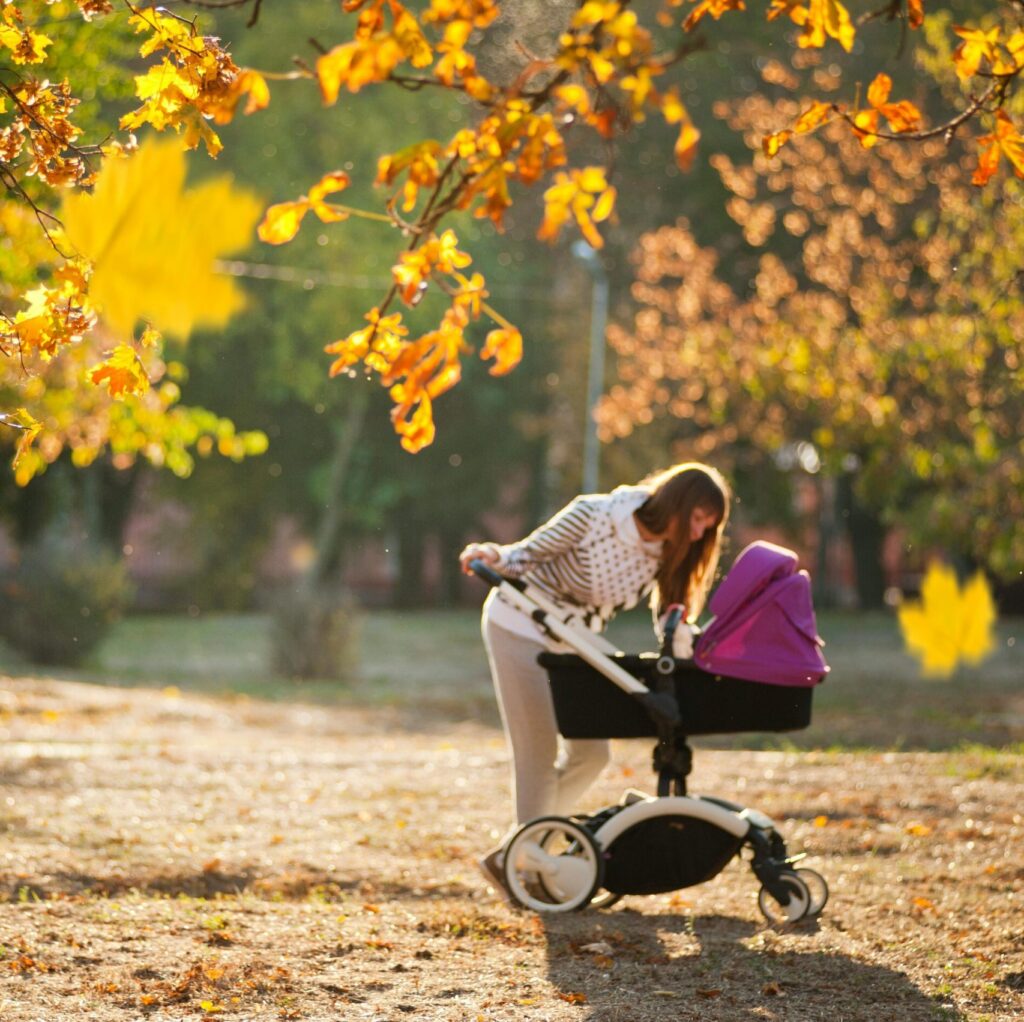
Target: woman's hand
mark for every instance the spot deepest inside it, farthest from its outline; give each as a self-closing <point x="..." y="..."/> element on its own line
<point x="486" y="552"/>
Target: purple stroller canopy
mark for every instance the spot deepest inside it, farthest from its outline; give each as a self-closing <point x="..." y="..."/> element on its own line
<point x="763" y="627"/>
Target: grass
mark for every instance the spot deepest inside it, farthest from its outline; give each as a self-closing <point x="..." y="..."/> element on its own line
<point x="433" y="662"/>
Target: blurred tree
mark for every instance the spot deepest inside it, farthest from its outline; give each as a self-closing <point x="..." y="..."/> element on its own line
<point x="892" y="348"/>
<point x="600" y="65"/>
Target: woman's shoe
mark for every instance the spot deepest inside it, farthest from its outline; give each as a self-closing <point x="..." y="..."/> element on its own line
<point x="492" y="868"/>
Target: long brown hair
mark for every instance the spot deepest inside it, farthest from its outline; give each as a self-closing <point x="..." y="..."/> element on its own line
<point x="687" y="568"/>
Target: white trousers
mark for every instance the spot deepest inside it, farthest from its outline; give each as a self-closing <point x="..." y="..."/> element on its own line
<point x="549" y="773"/>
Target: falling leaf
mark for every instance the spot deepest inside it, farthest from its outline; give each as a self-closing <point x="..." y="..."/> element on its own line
<point x="709" y="994"/>
<point x="153" y="242"/>
<point x="949" y="625"/>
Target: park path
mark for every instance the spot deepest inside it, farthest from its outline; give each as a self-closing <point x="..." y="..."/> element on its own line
<point x="169" y="856"/>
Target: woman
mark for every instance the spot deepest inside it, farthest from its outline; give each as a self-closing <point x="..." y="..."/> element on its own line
<point x="601" y="554"/>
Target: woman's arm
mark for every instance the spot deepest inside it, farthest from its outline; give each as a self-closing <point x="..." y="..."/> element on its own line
<point x="556" y="536"/>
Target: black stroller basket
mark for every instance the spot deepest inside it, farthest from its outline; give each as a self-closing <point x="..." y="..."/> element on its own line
<point x="588" y="705"/>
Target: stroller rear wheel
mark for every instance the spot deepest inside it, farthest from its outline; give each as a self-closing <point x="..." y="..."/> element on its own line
<point x="798" y="906"/>
<point x="553" y="865"/>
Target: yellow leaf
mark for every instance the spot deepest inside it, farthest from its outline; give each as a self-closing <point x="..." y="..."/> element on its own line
<point x="977" y="629"/>
<point x="122" y="373"/>
<point x="153" y="242"/>
<point x="335" y="181"/>
<point x="771" y="144"/>
<point x="949" y="626"/>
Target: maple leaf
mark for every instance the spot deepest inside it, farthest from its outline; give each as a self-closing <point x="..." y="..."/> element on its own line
<point x="24" y="466"/>
<point x="153" y="242"/>
<point x="949" y="625"/>
<point x="122" y="372"/>
<point x="1006" y="141"/>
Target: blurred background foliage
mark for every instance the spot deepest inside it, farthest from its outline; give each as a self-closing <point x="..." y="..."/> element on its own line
<point x="335" y="489"/>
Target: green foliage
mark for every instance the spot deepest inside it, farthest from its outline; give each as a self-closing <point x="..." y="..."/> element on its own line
<point x="61" y="599"/>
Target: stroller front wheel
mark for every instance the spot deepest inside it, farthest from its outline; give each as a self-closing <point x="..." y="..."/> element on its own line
<point x="797" y="907"/>
<point x="817" y="887"/>
<point x="553" y="865"/>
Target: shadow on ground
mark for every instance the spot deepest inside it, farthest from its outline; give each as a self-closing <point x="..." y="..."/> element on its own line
<point x="719" y="969"/>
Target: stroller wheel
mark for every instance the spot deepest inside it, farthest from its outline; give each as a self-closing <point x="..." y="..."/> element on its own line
<point x="817" y="887"/>
<point x="548" y="842"/>
<point x="797" y="907"/>
<point x="553" y="865"/>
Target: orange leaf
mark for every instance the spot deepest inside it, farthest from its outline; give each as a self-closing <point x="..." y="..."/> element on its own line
<point x="281" y="222"/>
<point x="915" y="13"/>
<point x="879" y="89"/>
<point x="686" y="144"/>
<point x="417" y="431"/>
<point x="505" y="346"/>
<point x="573" y="998"/>
<point x="812" y="117"/>
<point x="1004" y="141"/>
<point x="988" y="160"/>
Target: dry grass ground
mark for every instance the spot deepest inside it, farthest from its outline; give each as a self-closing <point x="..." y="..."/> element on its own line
<point x="172" y="855"/>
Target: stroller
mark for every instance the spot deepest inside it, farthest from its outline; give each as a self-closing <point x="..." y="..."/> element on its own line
<point x="753" y="668"/>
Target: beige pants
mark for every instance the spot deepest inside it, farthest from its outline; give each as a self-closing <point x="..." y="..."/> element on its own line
<point x="549" y="773"/>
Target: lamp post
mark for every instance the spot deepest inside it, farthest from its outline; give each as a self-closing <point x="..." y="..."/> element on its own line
<point x="595" y="373"/>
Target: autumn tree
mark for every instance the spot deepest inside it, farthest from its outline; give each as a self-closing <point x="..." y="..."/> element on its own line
<point x="890" y="342"/>
<point x="600" y="68"/>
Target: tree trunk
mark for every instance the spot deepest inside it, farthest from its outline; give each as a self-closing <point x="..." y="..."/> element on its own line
<point x="867" y="536"/>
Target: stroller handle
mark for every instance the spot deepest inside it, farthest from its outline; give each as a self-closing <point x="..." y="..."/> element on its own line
<point x="490" y="576"/>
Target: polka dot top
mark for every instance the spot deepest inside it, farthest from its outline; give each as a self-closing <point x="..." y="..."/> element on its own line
<point x="589" y="556"/>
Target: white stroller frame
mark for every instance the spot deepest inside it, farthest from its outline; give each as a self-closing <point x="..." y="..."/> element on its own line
<point x="557" y="864"/>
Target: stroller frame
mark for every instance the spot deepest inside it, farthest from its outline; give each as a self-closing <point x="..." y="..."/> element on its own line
<point x="560" y="864"/>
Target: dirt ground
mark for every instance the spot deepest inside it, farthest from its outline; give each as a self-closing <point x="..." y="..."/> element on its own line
<point x="165" y="856"/>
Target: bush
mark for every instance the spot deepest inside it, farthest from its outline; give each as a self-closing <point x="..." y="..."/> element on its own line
<point x="61" y="599"/>
<point x="316" y="635"/>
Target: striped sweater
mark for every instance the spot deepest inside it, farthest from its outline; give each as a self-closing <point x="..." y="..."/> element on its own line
<point x="590" y="556"/>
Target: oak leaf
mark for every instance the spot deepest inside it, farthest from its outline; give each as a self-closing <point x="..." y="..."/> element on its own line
<point x="281" y="222"/>
<point x="505" y="346"/>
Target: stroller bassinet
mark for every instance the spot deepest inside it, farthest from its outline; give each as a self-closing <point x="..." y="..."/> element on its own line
<point x="648" y="845"/>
